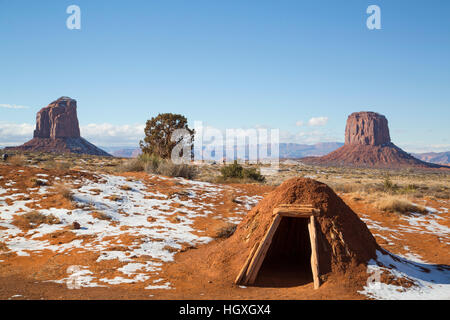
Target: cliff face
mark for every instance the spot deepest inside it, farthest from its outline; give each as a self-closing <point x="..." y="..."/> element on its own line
<point x="58" y="120"/>
<point x="367" y="128"/>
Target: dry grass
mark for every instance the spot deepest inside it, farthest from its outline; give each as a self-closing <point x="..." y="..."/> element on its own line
<point x="3" y="246"/>
<point x="34" y="219"/>
<point x="398" y="205"/>
<point x="225" y="231"/>
<point x="156" y="165"/>
<point x="126" y="188"/>
<point x="18" y="160"/>
<point x="114" y="197"/>
<point x="169" y="169"/>
<point x="100" y="215"/>
<point x="39" y="182"/>
<point x="64" y="190"/>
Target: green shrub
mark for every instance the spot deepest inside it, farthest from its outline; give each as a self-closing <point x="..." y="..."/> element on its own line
<point x="253" y="174"/>
<point x="236" y="171"/>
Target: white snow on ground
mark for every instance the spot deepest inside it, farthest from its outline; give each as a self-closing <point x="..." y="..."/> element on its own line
<point x="248" y="201"/>
<point x="414" y="222"/>
<point x="136" y="211"/>
<point x="426" y="223"/>
<point x="79" y="276"/>
<point x="430" y="282"/>
<point x="411" y="256"/>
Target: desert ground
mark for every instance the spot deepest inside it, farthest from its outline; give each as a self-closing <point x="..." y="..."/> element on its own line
<point x="82" y="227"/>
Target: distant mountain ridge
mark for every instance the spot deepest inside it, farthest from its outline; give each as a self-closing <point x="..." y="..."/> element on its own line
<point x="296" y="150"/>
<point x="287" y="150"/>
<point x="434" y="157"/>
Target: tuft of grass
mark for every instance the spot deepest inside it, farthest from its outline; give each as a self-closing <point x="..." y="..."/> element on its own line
<point x="156" y="165"/>
<point x="225" y="231"/>
<point x="64" y="190"/>
<point x="114" y="197"/>
<point x="38" y="182"/>
<point x="169" y="169"/>
<point x="18" y="160"/>
<point x="398" y="205"/>
<point x="34" y="219"/>
<point x="100" y="215"/>
<point x="3" y="246"/>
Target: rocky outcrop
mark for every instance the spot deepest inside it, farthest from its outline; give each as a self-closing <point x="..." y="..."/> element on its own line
<point x="368" y="144"/>
<point x="367" y="128"/>
<point x="62" y="145"/>
<point x="58" y="120"/>
<point x="57" y="130"/>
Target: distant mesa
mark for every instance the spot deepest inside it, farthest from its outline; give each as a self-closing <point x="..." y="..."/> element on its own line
<point x="368" y="144"/>
<point x="57" y="130"/>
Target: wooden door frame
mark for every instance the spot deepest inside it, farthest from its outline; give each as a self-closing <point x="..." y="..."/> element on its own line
<point x="252" y="265"/>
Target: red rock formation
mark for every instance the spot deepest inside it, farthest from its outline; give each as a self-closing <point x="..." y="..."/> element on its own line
<point x="368" y="144"/>
<point x="57" y="130"/>
<point x="58" y="120"/>
<point x="367" y="128"/>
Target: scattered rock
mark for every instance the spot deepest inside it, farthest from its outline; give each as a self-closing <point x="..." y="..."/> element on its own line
<point x="76" y="226"/>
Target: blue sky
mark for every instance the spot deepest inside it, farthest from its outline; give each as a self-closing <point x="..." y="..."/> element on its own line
<point x="230" y="64"/>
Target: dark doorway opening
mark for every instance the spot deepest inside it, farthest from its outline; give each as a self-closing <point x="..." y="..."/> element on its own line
<point x="288" y="260"/>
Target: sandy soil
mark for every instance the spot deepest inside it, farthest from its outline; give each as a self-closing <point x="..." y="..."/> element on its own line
<point x="143" y="236"/>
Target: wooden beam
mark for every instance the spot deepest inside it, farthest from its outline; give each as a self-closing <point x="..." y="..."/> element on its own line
<point x="243" y="271"/>
<point x="294" y="214"/>
<point x="290" y="210"/>
<point x="314" y="252"/>
<point x="295" y="205"/>
<point x="260" y="254"/>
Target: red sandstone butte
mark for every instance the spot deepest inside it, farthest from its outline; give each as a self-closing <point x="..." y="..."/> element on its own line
<point x="368" y="144"/>
<point x="367" y="128"/>
<point x="58" y="120"/>
<point x="57" y="130"/>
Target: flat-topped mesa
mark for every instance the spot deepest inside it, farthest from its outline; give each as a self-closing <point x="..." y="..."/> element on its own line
<point x="58" y="120"/>
<point x="367" y="128"/>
